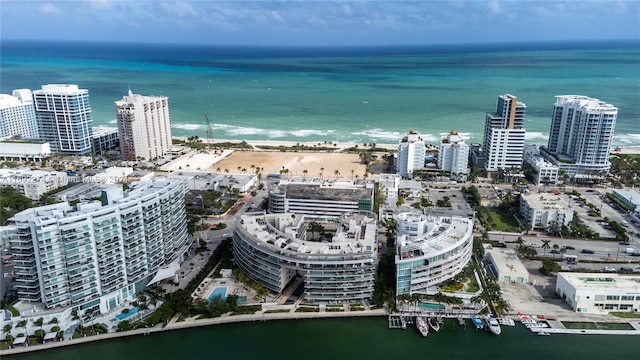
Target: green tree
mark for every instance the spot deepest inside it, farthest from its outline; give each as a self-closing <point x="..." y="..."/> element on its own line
<point x="545" y="246"/>
<point x="549" y="266"/>
<point x="6" y="329"/>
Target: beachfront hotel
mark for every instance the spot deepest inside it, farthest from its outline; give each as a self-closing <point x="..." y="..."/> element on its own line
<point x="144" y="125"/>
<point x="504" y="135"/>
<point x="18" y="115"/>
<point x="580" y="137"/>
<point x="430" y="250"/>
<point x="595" y="293"/>
<point x="453" y="155"/>
<point x="63" y="114"/>
<point x="335" y="256"/>
<point x="320" y="197"/>
<point x="97" y="255"/>
<point x="411" y="154"/>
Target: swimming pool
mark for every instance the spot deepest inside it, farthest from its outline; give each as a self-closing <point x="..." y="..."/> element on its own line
<point x="132" y="311"/>
<point x="431" y="306"/>
<point x="218" y="291"/>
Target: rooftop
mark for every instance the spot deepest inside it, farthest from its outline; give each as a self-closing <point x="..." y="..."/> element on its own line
<point x="351" y="233"/>
<point x="599" y="281"/>
<point x="544" y="201"/>
<point x="441" y="232"/>
<point x="327" y="190"/>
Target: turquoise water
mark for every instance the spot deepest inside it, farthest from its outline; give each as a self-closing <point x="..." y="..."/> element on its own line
<point x="218" y="291"/>
<point x="347" y="339"/>
<point x="431" y="306"/>
<point x="371" y="94"/>
<point x="132" y="311"/>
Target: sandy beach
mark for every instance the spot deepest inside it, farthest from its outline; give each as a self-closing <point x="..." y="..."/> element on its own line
<point x="316" y="164"/>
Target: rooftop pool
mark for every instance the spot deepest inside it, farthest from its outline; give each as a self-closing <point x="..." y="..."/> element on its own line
<point x="218" y="291"/>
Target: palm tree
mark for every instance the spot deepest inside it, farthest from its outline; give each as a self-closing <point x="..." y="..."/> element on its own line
<point x="545" y="246"/>
<point x="352" y="171"/>
<point x="7" y="329"/>
<point x="305" y="172"/>
<point x="39" y="322"/>
<point x="321" y="171"/>
<point x="336" y="173"/>
<point x="218" y="169"/>
<point x="22" y="324"/>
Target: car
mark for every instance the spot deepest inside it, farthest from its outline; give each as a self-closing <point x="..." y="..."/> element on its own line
<point x="569" y="248"/>
<point x="635" y="254"/>
<point x="608" y="268"/>
<point x="626" y="269"/>
<point x="587" y="251"/>
<point x="253" y="204"/>
<point x="226" y="236"/>
<point x="554" y="251"/>
<point x="501" y="245"/>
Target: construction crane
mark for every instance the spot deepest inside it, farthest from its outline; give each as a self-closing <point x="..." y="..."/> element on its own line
<point x="208" y="132"/>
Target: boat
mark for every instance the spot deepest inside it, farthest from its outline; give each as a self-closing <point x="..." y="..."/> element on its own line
<point x="477" y="322"/>
<point x="492" y="324"/>
<point x="421" y="325"/>
<point x="506" y="321"/>
<point x="543" y="333"/>
<point x="433" y="322"/>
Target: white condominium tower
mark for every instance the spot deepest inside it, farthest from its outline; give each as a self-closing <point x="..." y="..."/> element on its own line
<point x="144" y="126"/>
<point x="18" y="115"/>
<point x="64" y="118"/>
<point x="453" y="154"/>
<point x="504" y="134"/>
<point x="581" y="133"/>
<point x="410" y="155"/>
<point x="97" y="256"/>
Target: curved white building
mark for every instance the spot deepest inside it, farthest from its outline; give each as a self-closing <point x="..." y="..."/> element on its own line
<point x="430" y="250"/>
<point x="335" y="256"/>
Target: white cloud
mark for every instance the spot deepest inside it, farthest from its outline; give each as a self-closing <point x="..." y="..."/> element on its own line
<point x="180" y="9"/>
<point x="49" y="9"/>
<point x="494" y="6"/>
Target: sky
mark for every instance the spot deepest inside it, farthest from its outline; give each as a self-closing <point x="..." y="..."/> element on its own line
<point x="314" y="23"/>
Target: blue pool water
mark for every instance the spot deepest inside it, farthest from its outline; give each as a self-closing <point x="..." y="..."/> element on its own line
<point x="132" y="311"/>
<point x="218" y="291"/>
<point x="431" y="306"/>
<point x="242" y="299"/>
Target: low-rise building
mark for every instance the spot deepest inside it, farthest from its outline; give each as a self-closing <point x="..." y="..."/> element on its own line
<point x="430" y="250"/>
<point x="335" y="255"/>
<point x="33" y="183"/>
<point x="24" y="150"/>
<point x="506" y="265"/>
<point x="594" y="293"/>
<point x="544" y="172"/>
<point x="629" y="197"/>
<point x="321" y="197"/>
<point x="542" y="209"/>
<point x="106" y="139"/>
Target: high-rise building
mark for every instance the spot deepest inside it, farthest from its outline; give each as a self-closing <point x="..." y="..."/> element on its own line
<point x="18" y="115"/>
<point x="580" y="135"/>
<point x="99" y="254"/>
<point x="144" y="125"/>
<point x="64" y="120"/>
<point x="453" y="155"/>
<point x="504" y="134"/>
<point x="411" y="154"/>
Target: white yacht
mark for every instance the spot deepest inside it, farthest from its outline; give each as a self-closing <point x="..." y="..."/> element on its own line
<point x="492" y="324"/>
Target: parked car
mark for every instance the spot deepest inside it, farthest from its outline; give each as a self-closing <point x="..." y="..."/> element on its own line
<point x="554" y="251"/>
<point x="608" y="268"/>
<point x="501" y="245"/>
<point x="587" y="251"/>
<point x="626" y="269"/>
<point x="569" y="248"/>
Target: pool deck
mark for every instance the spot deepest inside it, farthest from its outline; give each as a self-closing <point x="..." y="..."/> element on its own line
<point x="234" y="287"/>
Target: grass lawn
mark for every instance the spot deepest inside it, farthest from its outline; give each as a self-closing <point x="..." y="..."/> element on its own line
<point x="503" y="221"/>
<point x="626" y="315"/>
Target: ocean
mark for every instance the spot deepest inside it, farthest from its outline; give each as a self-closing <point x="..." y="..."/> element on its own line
<point x="358" y="94"/>
<point x="346" y="339"/>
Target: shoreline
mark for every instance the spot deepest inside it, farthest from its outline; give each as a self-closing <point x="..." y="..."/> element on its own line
<point x="189" y="324"/>
<point x="630" y="149"/>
